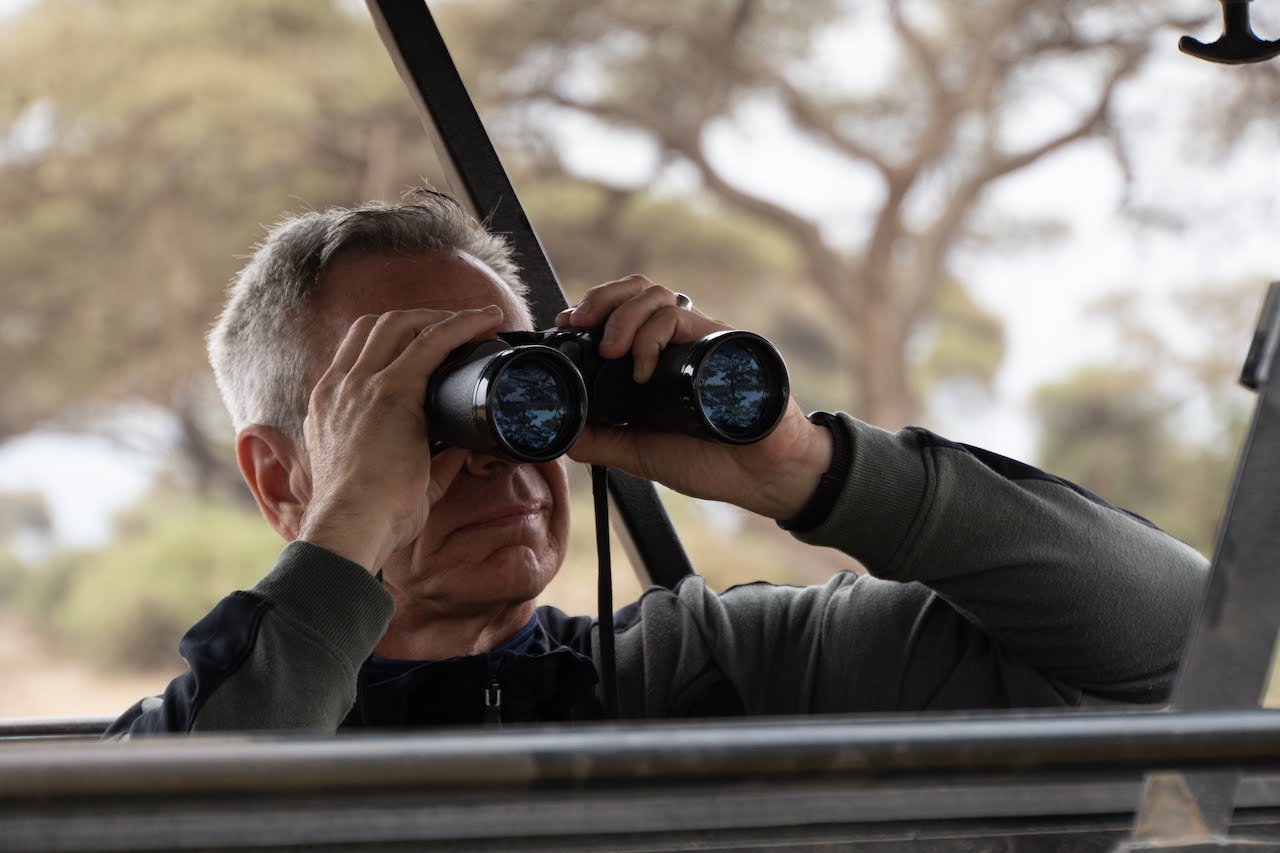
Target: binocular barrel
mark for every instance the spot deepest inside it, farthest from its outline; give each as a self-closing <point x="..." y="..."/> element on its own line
<point x="527" y="396"/>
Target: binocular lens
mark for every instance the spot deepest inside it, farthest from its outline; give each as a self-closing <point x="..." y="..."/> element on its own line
<point x="531" y="406"/>
<point x="735" y="390"/>
<point x="524" y="396"/>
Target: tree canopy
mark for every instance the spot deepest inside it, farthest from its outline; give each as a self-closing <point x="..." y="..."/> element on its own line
<point x="923" y="127"/>
<point x="144" y="168"/>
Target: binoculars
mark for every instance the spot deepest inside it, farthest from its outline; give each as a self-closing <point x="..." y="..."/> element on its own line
<point x="527" y="395"/>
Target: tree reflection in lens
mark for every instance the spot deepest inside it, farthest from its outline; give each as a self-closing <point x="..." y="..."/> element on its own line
<point x="733" y="388"/>
<point x="529" y="406"/>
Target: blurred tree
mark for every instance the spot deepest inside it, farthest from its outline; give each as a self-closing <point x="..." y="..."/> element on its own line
<point x="24" y="514"/>
<point x="24" y="521"/>
<point x="939" y="115"/>
<point x="141" y="145"/>
<point x="1158" y="430"/>
<point x="140" y="169"/>
<point x="126" y="604"/>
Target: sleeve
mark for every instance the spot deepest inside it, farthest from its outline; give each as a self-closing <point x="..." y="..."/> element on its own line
<point x="992" y="584"/>
<point x="283" y="655"/>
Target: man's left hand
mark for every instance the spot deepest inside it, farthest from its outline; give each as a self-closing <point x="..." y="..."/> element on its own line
<point x="773" y="477"/>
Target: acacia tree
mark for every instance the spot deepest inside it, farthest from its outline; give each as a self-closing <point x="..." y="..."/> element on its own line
<point x="946" y="121"/>
<point x="142" y="147"/>
<point x="134" y="173"/>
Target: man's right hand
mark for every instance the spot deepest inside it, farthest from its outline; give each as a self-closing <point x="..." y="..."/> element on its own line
<point x="371" y="483"/>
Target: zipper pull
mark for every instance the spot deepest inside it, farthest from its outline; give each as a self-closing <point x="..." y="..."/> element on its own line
<point x="493" y="702"/>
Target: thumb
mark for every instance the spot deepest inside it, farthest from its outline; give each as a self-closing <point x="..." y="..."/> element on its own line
<point x="605" y="445"/>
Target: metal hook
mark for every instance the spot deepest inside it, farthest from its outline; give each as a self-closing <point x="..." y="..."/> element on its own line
<point x="1237" y="44"/>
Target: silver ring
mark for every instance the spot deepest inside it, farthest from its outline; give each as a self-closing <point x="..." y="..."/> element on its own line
<point x="683" y="301"/>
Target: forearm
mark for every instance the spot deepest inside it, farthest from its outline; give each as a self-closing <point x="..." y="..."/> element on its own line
<point x="1078" y="590"/>
<point x="283" y="655"/>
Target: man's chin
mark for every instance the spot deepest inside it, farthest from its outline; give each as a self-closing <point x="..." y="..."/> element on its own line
<point x="512" y="573"/>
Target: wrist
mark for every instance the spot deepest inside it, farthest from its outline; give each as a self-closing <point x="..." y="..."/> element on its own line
<point x="358" y="538"/>
<point x="825" y="486"/>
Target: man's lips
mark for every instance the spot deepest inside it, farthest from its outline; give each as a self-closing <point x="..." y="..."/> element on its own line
<point x="507" y="515"/>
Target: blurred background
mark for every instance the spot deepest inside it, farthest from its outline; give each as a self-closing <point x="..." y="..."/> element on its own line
<point x="1030" y="225"/>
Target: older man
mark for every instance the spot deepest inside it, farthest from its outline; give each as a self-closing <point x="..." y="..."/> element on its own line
<point x="407" y="595"/>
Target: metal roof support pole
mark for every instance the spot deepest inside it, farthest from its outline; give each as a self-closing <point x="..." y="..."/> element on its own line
<point x="477" y="177"/>
<point x="1228" y="656"/>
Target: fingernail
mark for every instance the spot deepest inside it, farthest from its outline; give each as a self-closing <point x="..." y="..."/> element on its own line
<point x="562" y="319"/>
<point x="610" y="336"/>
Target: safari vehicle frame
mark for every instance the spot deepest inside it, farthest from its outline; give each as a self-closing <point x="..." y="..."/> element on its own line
<point x="1037" y="782"/>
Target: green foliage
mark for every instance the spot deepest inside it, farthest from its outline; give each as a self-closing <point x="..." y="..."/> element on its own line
<point x="127" y="604"/>
<point x="1158" y="431"/>
<point x="156" y="139"/>
<point x="965" y="342"/>
<point x="13" y="579"/>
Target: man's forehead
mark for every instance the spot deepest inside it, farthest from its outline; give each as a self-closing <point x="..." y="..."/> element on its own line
<point x="359" y="283"/>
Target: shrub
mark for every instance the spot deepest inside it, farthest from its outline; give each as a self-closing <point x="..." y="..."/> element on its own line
<point x="126" y="605"/>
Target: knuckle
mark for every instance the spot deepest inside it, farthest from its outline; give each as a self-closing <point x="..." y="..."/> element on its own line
<point x="360" y="327"/>
<point x="378" y="388"/>
<point x="388" y="318"/>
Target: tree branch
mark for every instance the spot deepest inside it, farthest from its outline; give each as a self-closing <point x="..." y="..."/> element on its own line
<point x="940" y="236"/>
<point x="810" y="118"/>
<point x="919" y="49"/>
<point x="825" y="265"/>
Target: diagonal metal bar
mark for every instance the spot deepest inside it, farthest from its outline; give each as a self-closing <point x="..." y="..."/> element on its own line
<point x="477" y="177"/>
<point x="1228" y="657"/>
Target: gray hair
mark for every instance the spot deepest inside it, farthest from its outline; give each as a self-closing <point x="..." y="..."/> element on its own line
<point x="259" y="347"/>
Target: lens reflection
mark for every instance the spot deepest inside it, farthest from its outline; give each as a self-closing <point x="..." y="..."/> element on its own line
<point x="733" y="389"/>
<point x="529" y="405"/>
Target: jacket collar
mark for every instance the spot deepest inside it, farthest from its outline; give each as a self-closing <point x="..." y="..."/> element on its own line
<point x="549" y="682"/>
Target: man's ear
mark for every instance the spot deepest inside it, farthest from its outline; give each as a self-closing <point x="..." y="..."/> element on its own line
<point x="277" y="472"/>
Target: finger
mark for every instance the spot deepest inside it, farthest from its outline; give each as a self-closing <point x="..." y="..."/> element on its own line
<point x="650" y="339"/>
<point x="392" y="332"/>
<point x="636" y="451"/>
<point x="445" y="467"/>
<point x="600" y="301"/>
<point x="432" y="345"/>
<point x="664" y="326"/>
<point x="608" y="446"/>
<point x="620" y="328"/>
<point x="352" y="344"/>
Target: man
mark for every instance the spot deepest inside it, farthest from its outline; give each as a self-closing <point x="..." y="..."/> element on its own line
<point x="407" y="594"/>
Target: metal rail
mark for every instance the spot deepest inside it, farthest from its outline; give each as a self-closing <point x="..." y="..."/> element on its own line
<point x="1033" y="784"/>
<point x="15" y="728"/>
<point x="605" y="754"/>
<point x="477" y="176"/>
